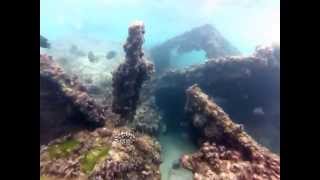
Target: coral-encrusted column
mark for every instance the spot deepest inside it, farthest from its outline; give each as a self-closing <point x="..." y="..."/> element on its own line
<point x="129" y="77"/>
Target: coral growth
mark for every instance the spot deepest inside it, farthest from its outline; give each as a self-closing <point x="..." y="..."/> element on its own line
<point x="228" y="151"/>
<point x="98" y="155"/>
<point x="129" y="77"/>
<point x="114" y="170"/>
<point x="147" y="118"/>
<point x="72" y="90"/>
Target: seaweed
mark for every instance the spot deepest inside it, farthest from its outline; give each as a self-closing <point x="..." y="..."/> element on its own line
<point x="92" y="157"/>
<point x="63" y="149"/>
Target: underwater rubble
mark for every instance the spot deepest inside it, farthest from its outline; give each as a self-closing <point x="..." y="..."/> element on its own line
<point x="71" y="89"/>
<point x="127" y="80"/>
<point x="205" y="38"/>
<point x="227" y="151"/>
<point x="247" y="87"/>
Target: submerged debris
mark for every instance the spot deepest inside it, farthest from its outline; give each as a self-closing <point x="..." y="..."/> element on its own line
<point x="129" y="77"/>
<point x="238" y="84"/>
<point x="72" y="90"/>
<point x="95" y="152"/>
<point x="205" y="38"/>
<point x="228" y="152"/>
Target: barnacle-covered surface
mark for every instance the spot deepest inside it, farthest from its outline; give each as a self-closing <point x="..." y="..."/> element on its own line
<point x="127" y="80"/>
<point x="103" y="153"/>
<point x="227" y="151"/>
<point x="147" y="118"/>
<point x="247" y="87"/>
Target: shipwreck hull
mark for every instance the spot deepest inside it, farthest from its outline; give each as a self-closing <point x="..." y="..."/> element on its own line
<point x="248" y="88"/>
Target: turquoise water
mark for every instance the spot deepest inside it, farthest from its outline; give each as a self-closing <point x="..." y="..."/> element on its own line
<point x="184" y="60"/>
<point x="245" y="23"/>
<point x="174" y="145"/>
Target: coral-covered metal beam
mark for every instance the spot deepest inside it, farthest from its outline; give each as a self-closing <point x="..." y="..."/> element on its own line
<point x="72" y="90"/>
<point x="228" y="151"/>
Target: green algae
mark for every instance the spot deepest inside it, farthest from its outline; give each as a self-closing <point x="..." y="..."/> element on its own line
<point x="92" y="157"/>
<point x="63" y="149"/>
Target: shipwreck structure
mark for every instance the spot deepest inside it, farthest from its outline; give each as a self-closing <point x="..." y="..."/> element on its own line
<point x="227" y="151"/>
<point x="64" y="102"/>
<point x="129" y="77"/>
<point x="80" y="139"/>
<point x="247" y="87"/>
<point x="69" y="149"/>
<point x="205" y="38"/>
<point x="78" y="135"/>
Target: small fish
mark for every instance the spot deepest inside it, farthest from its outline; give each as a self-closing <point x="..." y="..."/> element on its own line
<point x="111" y="54"/>
<point x="92" y="57"/>
<point x="76" y="51"/>
<point x="258" y="111"/>
<point x="44" y="43"/>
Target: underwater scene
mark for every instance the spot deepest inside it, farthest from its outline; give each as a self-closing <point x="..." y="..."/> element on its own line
<point x="159" y="89"/>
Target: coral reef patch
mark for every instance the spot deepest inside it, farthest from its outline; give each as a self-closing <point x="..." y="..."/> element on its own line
<point x="101" y="154"/>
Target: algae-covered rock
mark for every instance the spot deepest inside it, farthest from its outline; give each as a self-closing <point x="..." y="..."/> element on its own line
<point x="92" y="157"/>
<point x="87" y="154"/>
<point x="63" y="149"/>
